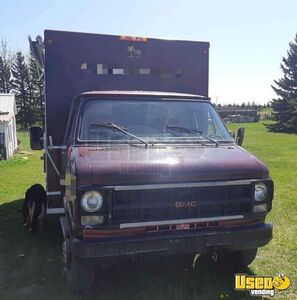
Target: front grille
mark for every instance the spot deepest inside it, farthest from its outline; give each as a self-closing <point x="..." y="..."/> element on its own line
<point x="180" y="203"/>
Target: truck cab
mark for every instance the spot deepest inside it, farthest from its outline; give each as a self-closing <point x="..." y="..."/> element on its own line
<point x="147" y="172"/>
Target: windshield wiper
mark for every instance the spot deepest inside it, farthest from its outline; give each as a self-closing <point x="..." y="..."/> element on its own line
<point x="120" y="128"/>
<point x="185" y="129"/>
<point x="192" y="131"/>
<point x="210" y="139"/>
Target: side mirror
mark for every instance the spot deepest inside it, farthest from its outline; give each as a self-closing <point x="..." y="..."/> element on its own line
<point x="240" y="136"/>
<point x="36" y="138"/>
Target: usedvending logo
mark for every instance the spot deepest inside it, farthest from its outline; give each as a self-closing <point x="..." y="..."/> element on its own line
<point x="261" y="285"/>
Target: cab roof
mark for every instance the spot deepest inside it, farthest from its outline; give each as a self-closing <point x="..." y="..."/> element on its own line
<point x="156" y="94"/>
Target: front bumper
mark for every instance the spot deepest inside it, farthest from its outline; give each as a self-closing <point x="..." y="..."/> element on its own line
<point x="179" y="242"/>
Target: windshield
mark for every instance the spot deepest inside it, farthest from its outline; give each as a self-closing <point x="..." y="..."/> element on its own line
<point x="113" y="120"/>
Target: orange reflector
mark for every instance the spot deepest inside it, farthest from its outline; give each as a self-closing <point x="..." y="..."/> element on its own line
<point x="133" y="38"/>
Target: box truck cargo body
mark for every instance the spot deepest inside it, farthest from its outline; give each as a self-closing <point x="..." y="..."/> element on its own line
<point x="81" y="62"/>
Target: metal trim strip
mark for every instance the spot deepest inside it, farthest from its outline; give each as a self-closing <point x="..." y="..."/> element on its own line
<point x="176" y="222"/>
<point x="63" y="147"/>
<point x="57" y="210"/>
<point x="54" y="193"/>
<point x="179" y="185"/>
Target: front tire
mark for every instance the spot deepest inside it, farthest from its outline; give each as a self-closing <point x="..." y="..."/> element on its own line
<point x="179" y="261"/>
<point x="80" y="273"/>
<point x="237" y="260"/>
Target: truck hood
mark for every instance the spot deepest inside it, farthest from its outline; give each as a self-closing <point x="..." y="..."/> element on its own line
<point x="126" y="165"/>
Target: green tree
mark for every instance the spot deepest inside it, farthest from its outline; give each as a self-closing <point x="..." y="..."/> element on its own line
<point x="284" y="107"/>
<point x="36" y="90"/>
<point x="21" y="88"/>
<point x="5" y="67"/>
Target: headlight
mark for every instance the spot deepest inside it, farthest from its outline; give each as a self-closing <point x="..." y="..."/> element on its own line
<point x="261" y="191"/>
<point x="91" y="201"/>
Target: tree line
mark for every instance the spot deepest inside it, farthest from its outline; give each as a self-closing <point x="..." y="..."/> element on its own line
<point x="243" y="106"/>
<point x="19" y="75"/>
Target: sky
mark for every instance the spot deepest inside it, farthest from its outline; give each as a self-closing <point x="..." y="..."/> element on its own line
<point x="247" y="38"/>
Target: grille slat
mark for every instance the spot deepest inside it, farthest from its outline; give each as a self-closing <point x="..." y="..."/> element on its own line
<point x="180" y="203"/>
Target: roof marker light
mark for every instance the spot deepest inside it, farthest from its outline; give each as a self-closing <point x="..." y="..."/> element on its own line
<point x="133" y="38"/>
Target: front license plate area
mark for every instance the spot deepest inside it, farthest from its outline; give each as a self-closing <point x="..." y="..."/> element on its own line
<point x="182" y="226"/>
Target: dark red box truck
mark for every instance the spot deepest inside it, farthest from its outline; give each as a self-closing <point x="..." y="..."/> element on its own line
<point x="137" y="158"/>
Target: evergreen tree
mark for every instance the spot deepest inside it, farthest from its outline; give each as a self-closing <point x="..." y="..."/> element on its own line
<point x="5" y="66"/>
<point x="284" y="107"/>
<point x="21" y="88"/>
<point x="36" y="92"/>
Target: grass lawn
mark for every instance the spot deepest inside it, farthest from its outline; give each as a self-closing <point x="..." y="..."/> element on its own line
<point x="31" y="265"/>
<point x="17" y="174"/>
